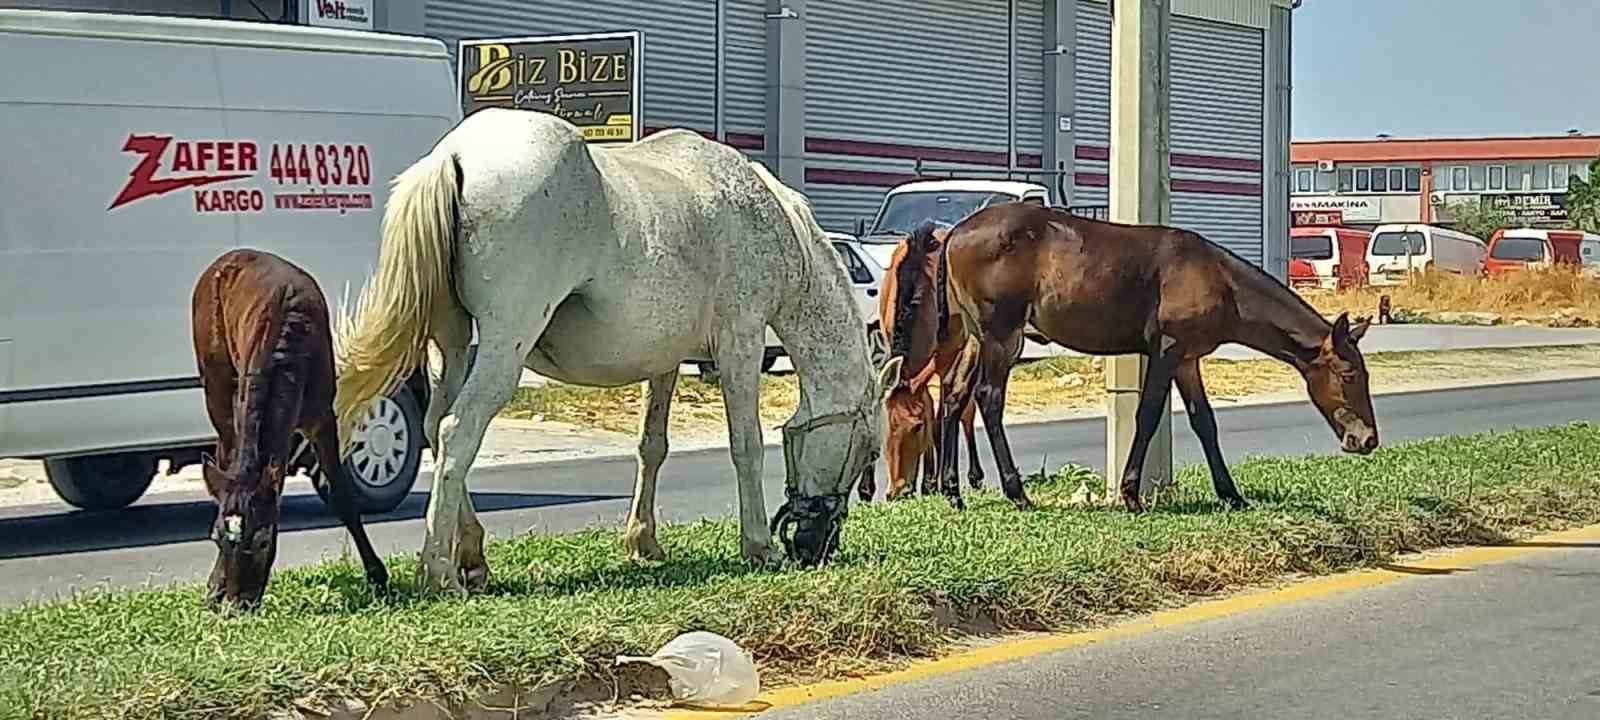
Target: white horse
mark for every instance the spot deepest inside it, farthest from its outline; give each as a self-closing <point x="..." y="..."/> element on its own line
<point x="602" y="266"/>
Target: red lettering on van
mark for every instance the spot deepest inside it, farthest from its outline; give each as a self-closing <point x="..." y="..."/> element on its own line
<point x="228" y="160"/>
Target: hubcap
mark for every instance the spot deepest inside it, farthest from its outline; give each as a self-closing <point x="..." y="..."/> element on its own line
<point x="378" y="450"/>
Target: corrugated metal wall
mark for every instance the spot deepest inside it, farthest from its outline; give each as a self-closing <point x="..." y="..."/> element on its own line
<point x="1217" y="110"/>
<point x="679" y="43"/>
<point x="1030" y="78"/>
<point x="1091" y="92"/>
<point x="745" y="65"/>
<point x="910" y="73"/>
<point x="1216" y="96"/>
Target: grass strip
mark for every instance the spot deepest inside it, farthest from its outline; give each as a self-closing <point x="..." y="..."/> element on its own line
<point x="561" y="606"/>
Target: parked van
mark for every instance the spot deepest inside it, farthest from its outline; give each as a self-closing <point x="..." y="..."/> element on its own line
<point x="1520" y="248"/>
<point x="1399" y="249"/>
<point x="1336" y="256"/>
<point x="137" y="149"/>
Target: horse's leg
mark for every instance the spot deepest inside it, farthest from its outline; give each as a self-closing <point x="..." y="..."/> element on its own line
<point x="1155" y="397"/>
<point x="341" y="496"/>
<point x="974" y="467"/>
<point x="657" y="401"/>
<point x="930" y="464"/>
<point x="452" y="548"/>
<point x="739" y="360"/>
<point x="961" y="378"/>
<point x="994" y="361"/>
<point x="452" y="332"/>
<point x="1204" y="422"/>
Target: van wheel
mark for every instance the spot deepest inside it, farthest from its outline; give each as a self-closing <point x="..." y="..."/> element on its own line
<point x="385" y="453"/>
<point x="101" y="482"/>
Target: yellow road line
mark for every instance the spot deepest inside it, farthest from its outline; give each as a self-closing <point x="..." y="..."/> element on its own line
<point x="1207" y="610"/>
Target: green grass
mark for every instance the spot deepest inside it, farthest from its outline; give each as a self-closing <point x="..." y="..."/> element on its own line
<point x="560" y="607"/>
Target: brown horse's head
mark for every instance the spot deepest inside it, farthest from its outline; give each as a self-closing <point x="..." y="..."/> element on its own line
<point x="245" y="532"/>
<point x="1337" y="382"/>
<point x="908" y="432"/>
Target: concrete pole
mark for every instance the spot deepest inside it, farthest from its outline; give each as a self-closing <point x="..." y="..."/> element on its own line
<point x="1141" y="192"/>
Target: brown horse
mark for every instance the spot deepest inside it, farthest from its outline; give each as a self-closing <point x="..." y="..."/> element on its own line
<point x="262" y="342"/>
<point x="917" y="328"/>
<point x="1104" y="288"/>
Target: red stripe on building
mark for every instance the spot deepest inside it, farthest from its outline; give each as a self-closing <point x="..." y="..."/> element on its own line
<point x="1204" y="187"/>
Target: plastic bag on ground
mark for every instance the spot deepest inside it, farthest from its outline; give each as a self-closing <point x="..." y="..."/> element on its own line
<point x="705" y="668"/>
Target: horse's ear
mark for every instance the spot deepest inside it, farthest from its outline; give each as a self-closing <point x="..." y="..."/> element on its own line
<point x="1341" y="331"/>
<point x="1359" y="330"/>
<point x="889" y="376"/>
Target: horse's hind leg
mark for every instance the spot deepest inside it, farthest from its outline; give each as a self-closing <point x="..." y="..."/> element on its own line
<point x="1204" y="422"/>
<point x="994" y="361"/>
<point x="341" y="495"/>
<point x="657" y="403"/>
<point x="452" y="332"/>
<point x="452" y="549"/>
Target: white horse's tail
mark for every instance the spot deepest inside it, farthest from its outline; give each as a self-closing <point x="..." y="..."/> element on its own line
<point x="384" y="339"/>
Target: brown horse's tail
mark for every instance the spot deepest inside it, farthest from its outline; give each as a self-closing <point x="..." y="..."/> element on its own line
<point x="384" y="339"/>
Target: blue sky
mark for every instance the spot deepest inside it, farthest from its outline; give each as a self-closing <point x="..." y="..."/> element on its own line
<point x="1434" y="68"/>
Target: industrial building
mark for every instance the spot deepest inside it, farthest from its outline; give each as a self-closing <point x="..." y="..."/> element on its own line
<point x="1364" y="183"/>
<point x="845" y="98"/>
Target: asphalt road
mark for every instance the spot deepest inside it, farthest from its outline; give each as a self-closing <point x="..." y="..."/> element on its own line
<point x="48" y="549"/>
<point x="1512" y="639"/>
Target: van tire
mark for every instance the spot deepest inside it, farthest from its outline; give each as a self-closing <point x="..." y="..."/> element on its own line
<point x="382" y="489"/>
<point x="101" y="482"/>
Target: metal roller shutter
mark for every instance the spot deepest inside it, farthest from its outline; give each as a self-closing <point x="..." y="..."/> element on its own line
<point x="1091" y="122"/>
<point x="745" y="64"/>
<point x="679" y="43"/>
<point x="1217" y="94"/>
<point x="920" y="72"/>
<point x="1030" y="77"/>
<point x="915" y="74"/>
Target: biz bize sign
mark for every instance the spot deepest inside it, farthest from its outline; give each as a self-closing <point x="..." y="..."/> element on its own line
<point x="592" y="81"/>
<point x="1531" y="208"/>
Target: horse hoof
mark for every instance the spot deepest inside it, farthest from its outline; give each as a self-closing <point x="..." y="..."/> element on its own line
<point x="378" y="578"/>
<point x="957" y="503"/>
<point x="1134" y="504"/>
<point x="1022" y="503"/>
<point x="1238" y="503"/>
<point x="976" y="481"/>
<point x="643" y="547"/>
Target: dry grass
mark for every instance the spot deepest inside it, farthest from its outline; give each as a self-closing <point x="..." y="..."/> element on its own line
<point x="1535" y="295"/>
<point x="1042" y="386"/>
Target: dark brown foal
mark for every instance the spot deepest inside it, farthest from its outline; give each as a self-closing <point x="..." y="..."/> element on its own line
<point x="265" y="353"/>
<point x="1105" y="288"/>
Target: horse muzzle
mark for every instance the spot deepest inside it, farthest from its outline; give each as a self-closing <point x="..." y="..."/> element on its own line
<point x="810" y="528"/>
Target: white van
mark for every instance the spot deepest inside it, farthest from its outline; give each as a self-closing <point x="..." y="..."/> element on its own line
<point x="138" y="148"/>
<point x="1398" y="249"/>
